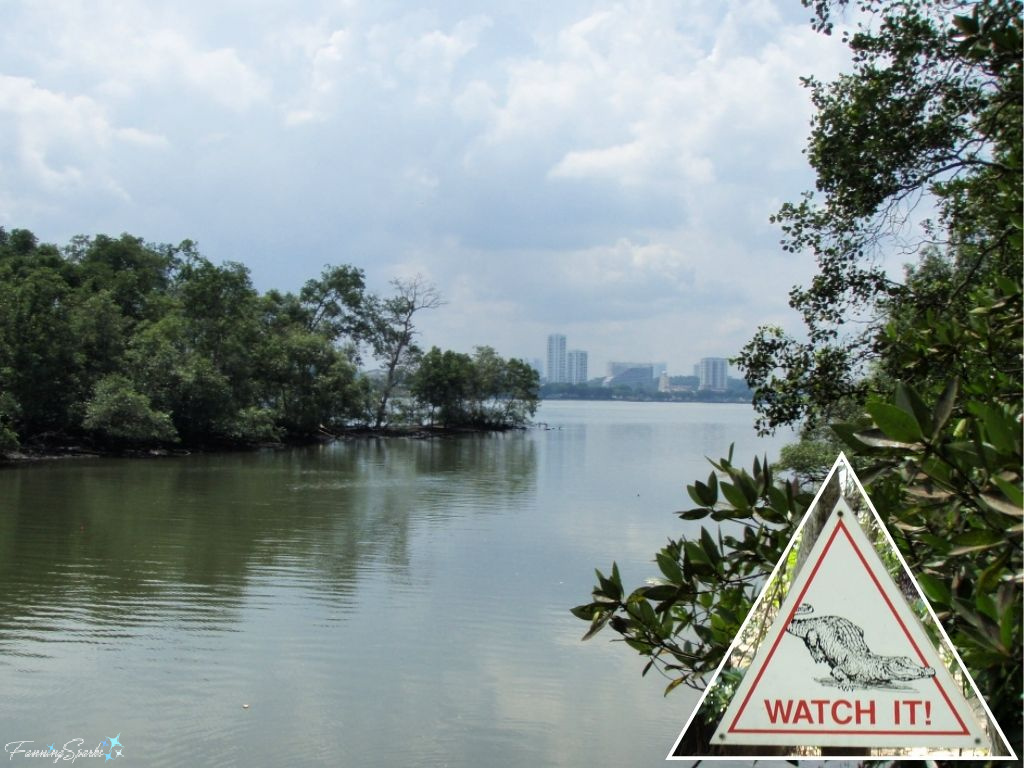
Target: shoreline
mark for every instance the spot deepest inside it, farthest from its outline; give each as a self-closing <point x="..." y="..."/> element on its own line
<point x="68" y="448"/>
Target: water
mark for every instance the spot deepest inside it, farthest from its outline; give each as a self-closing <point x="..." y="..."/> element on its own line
<point x="373" y="602"/>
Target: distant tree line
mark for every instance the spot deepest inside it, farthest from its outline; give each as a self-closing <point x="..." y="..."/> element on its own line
<point x="124" y="343"/>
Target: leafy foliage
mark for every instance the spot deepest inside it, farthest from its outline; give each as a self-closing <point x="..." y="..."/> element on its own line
<point x="927" y="390"/>
<point x="127" y="344"/>
<point x="930" y="115"/>
<point x="484" y="390"/>
<point x="117" y="411"/>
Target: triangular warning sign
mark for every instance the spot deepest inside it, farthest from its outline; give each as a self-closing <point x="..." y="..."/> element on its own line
<point x="846" y="663"/>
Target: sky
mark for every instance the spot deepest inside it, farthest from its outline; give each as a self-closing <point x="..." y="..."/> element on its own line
<point x="605" y="170"/>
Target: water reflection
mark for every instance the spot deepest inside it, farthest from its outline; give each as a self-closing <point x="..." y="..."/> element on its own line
<point x="400" y="601"/>
<point x="182" y="539"/>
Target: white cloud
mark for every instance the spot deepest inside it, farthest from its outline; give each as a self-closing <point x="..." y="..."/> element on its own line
<point x="601" y="166"/>
<point x="125" y="48"/>
<point x="59" y="144"/>
<point x="642" y="93"/>
<point x="430" y="59"/>
<point x="388" y="60"/>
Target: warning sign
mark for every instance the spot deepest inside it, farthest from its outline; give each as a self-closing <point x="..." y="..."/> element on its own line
<point x="847" y="662"/>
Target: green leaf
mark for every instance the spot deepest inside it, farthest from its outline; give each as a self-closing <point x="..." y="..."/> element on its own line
<point x="935" y="589"/>
<point x="1012" y="492"/>
<point x="661" y="592"/>
<point x="876" y="438"/>
<point x="585" y="612"/>
<point x="695" y="553"/>
<point x="670" y="568"/>
<point x="976" y="540"/>
<point x="966" y="25"/>
<point x="616" y="578"/>
<point x="707" y="543"/>
<point x="1001" y="428"/>
<point x="639" y="645"/>
<point x="597" y="624"/>
<point x="849" y="434"/>
<point x="648" y="616"/>
<point x="895" y="423"/>
<point x="910" y="402"/>
<point x="702" y="494"/>
<point x="944" y="408"/>
<point x="694" y="514"/>
<point x="611" y="588"/>
<point x="1002" y="506"/>
<point x="734" y="496"/>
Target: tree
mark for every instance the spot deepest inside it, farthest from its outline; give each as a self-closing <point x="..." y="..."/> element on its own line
<point x="117" y="341"/>
<point x="334" y="304"/>
<point x="501" y="392"/>
<point x="441" y="382"/>
<point x="118" y="412"/>
<point x="392" y="335"/>
<point x="521" y="393"/>
<point x="133" y="274"/>
<point x="38" y="372"/>
<point x="931" y="115"/>
<point x="932" y="111"/>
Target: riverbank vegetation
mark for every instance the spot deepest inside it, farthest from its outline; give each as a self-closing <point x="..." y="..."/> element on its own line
<point x="122" y="344"/>
<point x="919" y="380"/>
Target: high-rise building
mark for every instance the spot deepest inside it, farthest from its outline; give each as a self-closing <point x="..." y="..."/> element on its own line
<point x="714" y="374"/>
<point x="576" y="366"/>
<point x="557" y="369"/>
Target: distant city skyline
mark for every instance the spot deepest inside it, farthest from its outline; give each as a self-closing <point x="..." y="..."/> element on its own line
<point x="558" y="358"/>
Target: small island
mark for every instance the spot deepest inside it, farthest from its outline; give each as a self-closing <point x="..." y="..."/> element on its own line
<point x="115" y="345"/>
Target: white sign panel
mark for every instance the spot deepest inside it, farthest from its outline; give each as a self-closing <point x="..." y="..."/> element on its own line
<point x="847" y="663"/>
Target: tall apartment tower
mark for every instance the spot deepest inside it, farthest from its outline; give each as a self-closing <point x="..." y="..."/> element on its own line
<point x="558" y="372"/>
<point x="714" y="374"/>
<point x="576" y="366"/>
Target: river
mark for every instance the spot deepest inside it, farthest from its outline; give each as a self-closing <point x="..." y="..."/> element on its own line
<point x="369" y="602"/>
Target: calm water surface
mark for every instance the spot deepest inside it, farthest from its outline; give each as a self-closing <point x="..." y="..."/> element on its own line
<point x="377" y="602"/>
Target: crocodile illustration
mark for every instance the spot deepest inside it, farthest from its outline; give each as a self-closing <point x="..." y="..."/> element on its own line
<point x="840" y="643"/>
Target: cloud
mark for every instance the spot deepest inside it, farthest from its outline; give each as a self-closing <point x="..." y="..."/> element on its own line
<point x="602" y="167"/>
<point x="219" y="74"/>
<point x="58" y="144"/>
<point x="406" y="58"/>
<point x="127" y="50"/>
<point x="631" y="96"/>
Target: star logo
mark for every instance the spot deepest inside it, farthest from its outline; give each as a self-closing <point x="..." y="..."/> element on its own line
<point x="112" y="742"/>
<point x="51" y="748"/>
